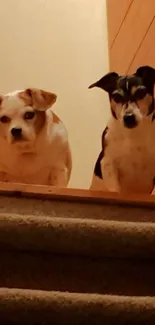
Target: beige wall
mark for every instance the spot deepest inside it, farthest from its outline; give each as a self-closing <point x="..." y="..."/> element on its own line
<point x="60" y="45"/>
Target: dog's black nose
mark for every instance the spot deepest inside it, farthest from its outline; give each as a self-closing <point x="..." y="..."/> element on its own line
<point x="16" y="132"/>
<point x="130" y="120"/>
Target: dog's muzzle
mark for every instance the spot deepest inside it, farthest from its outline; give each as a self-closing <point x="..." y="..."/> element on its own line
<point x="16" y="133"/>
<point x="129" y="120"/>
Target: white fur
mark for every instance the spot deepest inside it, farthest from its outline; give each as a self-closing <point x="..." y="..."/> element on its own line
<point x="128" y="164"/>
<point x="43" y="158"/>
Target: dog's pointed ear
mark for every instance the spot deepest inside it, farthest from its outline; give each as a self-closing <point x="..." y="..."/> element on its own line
<point x="38" y="99"/>
<point x="148" y="76"/>
<point x="107" y="83"/>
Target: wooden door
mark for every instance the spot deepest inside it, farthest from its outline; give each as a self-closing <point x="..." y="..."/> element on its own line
<point x="131" y="34"/>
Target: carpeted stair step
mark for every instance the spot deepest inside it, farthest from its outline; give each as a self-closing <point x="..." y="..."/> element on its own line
<point x="77" y="237"/>
<point x="77" y="255"/>
<point x="28" y="307"/>
<point x="71" y="258"/>
<point x="42" y="271"/>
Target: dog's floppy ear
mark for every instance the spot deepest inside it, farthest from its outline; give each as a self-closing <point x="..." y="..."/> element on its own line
<point x="107" y="83"/>
<point x="38" y="99"/>
<point x="148" y="76"/>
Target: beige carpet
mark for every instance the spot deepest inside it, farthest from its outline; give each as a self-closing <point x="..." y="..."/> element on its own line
<point x="56" y="270"/>
<point x="41" y="307"/>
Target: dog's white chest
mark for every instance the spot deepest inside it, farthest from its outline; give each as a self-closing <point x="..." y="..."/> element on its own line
<point x="131" y="161"/>
<point x="25" y="169"/>
<point x="132" y="169"/>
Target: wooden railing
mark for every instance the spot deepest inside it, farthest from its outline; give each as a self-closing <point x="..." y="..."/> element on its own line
<point x="70" y="194"/>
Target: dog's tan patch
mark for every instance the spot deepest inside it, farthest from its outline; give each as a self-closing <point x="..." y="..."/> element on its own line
<point x="27" y="99"/>
<point x="115" y="107"/>
<point x="113" y="104"/>
<point x="37" y="98"/>
<point x="145" y="102"/>
<point x="56" y="119"/>
<point x="40" y="121"/>
<point x="133" y="90"/>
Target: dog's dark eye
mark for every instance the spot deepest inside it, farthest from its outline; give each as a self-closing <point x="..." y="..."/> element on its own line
<point x="29" y="115"/>
<point x="4" y="119"/>
<point x="118" y="98"/>
<point x="140" y="93"/>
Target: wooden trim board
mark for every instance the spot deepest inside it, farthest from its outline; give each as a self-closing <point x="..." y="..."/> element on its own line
<point x="81" y="195"/>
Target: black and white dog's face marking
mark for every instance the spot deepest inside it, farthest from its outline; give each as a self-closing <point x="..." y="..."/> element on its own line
<point x="131" y="97"/>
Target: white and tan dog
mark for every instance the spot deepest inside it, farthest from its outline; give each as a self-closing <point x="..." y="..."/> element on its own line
<point x="34" y="147"/>
<point x="126" y="162"/>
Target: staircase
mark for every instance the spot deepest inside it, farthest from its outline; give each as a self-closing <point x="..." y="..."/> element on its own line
<point x="76" y="257"/>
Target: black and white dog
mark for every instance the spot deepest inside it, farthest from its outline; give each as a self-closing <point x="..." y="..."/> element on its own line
<point x="127" y="160"/>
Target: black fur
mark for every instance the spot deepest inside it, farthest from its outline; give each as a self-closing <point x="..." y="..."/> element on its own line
<point x="153" y="184"/>
<point x="108" y="82"/>
<point x="148" y="76"/>
<point x="97" y="169"/>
